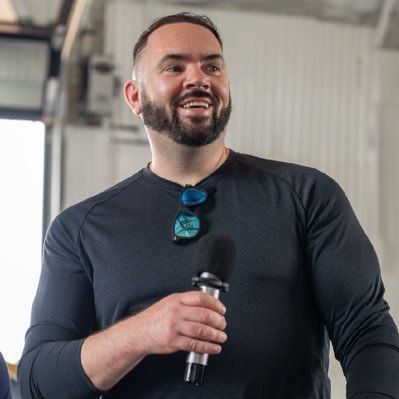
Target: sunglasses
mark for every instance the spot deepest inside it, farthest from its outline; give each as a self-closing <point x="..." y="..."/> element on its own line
<point x="187" y="224"/>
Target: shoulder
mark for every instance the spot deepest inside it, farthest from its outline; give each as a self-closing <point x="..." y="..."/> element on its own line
<point x="317" y="192"/>
<point x="71" y="219"/>
<point x="300" y="178"/>
<point x="283" y="170"/>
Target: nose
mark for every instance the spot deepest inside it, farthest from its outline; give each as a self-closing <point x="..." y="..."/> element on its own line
<point x="196" y="78"/>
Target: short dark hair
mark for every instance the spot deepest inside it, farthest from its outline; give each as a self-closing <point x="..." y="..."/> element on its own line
<point x="189" y="17"/>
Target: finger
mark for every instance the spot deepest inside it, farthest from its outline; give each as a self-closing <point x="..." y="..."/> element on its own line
<point x="201" y="299"/>
<point x="203" y="316"/>
<point x="193" y="345"/>
<point x="202" y="332"/>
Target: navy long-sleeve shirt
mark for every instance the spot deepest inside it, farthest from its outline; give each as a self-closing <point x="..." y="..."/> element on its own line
<point x="306" y="273"/>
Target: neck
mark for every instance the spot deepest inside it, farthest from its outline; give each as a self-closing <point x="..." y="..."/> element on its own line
<point x="185" y="165"/>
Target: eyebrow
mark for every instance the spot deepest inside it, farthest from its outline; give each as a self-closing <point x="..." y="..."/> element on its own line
<point x="184" y="57"/>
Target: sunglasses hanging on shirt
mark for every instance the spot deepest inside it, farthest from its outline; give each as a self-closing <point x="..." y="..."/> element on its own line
<point x="187" y="224"/>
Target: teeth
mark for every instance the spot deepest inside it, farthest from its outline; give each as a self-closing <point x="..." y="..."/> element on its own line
<point x="196" y="104"/>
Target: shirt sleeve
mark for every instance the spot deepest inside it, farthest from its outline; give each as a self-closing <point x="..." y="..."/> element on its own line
<point x="349" y="293"/>
<point x="62" y="316"/>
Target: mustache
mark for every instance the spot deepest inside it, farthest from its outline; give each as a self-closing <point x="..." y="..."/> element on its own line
<point x="194" y="93"/>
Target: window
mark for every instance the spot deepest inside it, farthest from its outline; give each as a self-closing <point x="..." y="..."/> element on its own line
<point x="21" y="218"/>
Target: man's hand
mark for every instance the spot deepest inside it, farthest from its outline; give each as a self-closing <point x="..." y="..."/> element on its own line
<point x="191" y="321"/>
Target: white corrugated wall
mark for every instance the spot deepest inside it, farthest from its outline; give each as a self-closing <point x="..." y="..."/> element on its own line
<point x="389" y="172"/>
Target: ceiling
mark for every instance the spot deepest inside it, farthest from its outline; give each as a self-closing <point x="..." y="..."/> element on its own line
<point x="349" y="11"/>
<point x="33" y="12"/>
<point x="45" y="12"/>
<point x="381" y="14"/>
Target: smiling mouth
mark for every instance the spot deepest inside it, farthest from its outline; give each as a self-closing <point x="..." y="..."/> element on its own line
<point x="196" y="108"/>
<point x="196" y="104"/>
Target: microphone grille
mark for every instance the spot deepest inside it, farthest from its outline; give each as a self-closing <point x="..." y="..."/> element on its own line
<point x="216" y="254"/>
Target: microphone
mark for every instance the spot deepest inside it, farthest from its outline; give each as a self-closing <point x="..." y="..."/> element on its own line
<point x="213" y="264"/>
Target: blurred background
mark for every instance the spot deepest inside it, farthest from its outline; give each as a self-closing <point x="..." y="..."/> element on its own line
<point x="314" y="82"/>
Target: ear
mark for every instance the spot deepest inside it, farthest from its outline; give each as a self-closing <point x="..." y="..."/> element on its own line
<point x="132" y="96"/>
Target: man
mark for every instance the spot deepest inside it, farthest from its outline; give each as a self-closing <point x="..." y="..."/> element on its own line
<point x="114" y="314"/>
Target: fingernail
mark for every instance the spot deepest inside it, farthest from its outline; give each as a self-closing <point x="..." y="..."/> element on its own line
<point x="223" y="309"/>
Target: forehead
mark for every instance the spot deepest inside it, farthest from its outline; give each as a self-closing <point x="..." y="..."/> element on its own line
<point x="182" y="38"/>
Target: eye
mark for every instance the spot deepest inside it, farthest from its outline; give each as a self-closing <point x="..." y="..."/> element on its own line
<point x="174" y="69"/>
<point x="212" y="68"/>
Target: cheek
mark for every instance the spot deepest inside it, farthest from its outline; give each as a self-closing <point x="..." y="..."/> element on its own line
<point x="224" y="90"/>
<point x="166" y="90"/>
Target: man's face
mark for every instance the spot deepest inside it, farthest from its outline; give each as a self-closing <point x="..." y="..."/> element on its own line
<point x="184" y="87"/>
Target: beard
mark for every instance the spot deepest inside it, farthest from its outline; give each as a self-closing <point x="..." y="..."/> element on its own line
<point x="199" y="132"/>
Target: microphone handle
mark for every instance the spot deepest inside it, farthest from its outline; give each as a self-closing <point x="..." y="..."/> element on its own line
<point x="196" y="363"/>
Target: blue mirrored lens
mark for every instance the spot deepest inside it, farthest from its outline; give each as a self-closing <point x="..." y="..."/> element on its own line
<point x="187" y="225"/>
<point x="193" y="196"/>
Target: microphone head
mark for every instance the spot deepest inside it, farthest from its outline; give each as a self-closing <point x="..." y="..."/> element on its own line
<point x="216" y="254"/>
